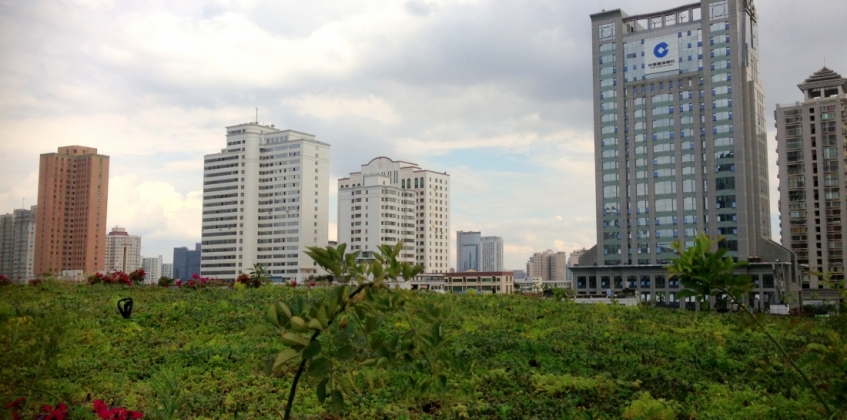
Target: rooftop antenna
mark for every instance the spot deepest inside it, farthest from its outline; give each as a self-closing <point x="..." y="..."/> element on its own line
<point x="23" y="200"/>
<point x="257" y="115"/>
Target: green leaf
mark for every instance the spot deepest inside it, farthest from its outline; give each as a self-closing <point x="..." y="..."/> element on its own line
<point x="321" y="391"/>
<point x="282" y="308"/>
<point x="315" y="324"/>
<point x="312" y="350"/>
<point x="337" y="402"/>
<point x="345" y="353"/>
<point x="294" y="340"/>
<point x="319" y="368"/>
<point x="346" y="384"/>
<point x="272" y="316"/>
<point x="298" y="324"/>
<point x="284" y="356"/>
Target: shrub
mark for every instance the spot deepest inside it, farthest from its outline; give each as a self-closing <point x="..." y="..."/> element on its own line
<point x="648" y="408"/>
<point x="137" y="276"/>
<point x="166" y="281"/>
<point x="4" y="281"/>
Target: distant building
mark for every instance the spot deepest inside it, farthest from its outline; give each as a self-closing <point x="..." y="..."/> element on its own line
<point x="123" y="251"/>
<point x="17" y="244"/>
<point x="152" y="269"/>
<point x="518" y="274"/>
<point x="168" y="270"/>
<point x="498" y="282"/>
<point x="73" y="196"/>
<point x="549" y="265"/>
<point x="392" y="201"/>
<point x="265" y="200"/>
<point x="467" y="250"/>
<point x="186" y="263"/>
<point x="810" y="142"/>
<point x="681" y="148"/>
<point x="573" y="261"/>
<point x="491" y="254"/>
<point x="478" y="253"/>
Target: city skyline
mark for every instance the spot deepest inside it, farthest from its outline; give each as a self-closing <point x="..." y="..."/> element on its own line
<point x="515" y="138"/>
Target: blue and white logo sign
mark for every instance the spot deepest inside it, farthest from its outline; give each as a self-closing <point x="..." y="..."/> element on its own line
<point x="661" y="50"/>
<point x="661" y="54"/>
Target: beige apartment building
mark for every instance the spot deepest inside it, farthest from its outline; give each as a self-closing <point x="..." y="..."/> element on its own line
<point x="123" y="251"/>
<point x="548" y="265"/>
<point x="811" y="149"/>
<point x="73" y="189"/>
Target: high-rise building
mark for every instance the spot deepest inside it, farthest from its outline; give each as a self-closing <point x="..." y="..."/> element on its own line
<point x="265" y="200"/>
<point x="547" y="265"/>
<point x="468" y="250"/>
<point x="478" y="253"/>
<point x="17" y="244"/>
<point x="491" y="254"/>
<point x="168" y="270"/>
<point x="73" y="196"/>
<point x="152" y="269"/>
<point x="680" y="146"/>
<point x="811" y="148"/>
<point x="186" y="263"/>
<point x="123" y="251"/>
<point x="394" y="201"/>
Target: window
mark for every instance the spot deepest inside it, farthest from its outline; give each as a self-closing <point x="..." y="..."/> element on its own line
<point x="666" y="204"/>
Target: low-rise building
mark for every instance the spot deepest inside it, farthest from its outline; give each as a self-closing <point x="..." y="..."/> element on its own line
<point x="497" y="282"/>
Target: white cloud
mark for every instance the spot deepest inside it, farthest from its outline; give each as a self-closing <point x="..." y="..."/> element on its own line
<point x="154" y="210"/>
<point x="328" y="107"/>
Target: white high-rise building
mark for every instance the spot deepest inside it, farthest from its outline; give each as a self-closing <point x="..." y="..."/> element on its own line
<point x="491" y="254"/>
<point x="168" y="270"/>
<point x="123" y="251"/>
<point x="152" y="269"/>
<point x="265" y="200"/>
<point x="394" y="201"/>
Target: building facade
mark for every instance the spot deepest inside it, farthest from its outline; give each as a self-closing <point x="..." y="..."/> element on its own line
<point x="17" y="244"/>
<point x="168" y="270"/>
<point x="265" y="200"/>
<point x="573" y="261"/>
<point x="680" y="143"/>
<point x="123" y="251"/>
<point x="811" y="149"/>
<point x="548" y="265"/>
<point x="409" y="205"/>
<point x="497" y="282"/>
<point x="73" y="196"/>
<point x="152" y="269"/>
<point x="491" y="254"/>
<point x="468" y="250"/>
<point x="186" y="262"/>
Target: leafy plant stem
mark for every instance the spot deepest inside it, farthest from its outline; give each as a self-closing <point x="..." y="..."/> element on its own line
<point x="315" y="335"/>
<point x="784" y="353"/>
<point x="41" y="391"/>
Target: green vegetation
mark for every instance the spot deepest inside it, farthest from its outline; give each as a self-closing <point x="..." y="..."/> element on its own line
<point x="201" y="353"/>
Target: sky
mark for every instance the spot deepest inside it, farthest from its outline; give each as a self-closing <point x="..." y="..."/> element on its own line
<point x="496" y="93"/>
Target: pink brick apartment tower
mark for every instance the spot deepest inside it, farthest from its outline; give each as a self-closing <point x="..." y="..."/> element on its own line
<point x="73" y="189"/>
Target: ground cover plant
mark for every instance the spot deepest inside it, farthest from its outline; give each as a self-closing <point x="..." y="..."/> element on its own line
<point x="527" y="357"/>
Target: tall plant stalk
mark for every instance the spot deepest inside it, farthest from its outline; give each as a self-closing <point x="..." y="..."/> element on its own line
<point x="302" y="367"/>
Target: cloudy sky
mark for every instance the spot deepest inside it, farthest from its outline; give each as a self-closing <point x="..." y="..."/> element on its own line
<point x="496" y="93"/>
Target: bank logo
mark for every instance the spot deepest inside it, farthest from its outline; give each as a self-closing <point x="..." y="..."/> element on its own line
<point x="661" y="50"/>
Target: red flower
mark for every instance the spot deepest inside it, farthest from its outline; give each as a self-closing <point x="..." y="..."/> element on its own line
<point x="16" y="403"/>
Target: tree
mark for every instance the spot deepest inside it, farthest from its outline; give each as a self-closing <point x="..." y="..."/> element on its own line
<point x="704" y="273"/>
<point x="258" y="275"/>
<point x="338" y="334"/>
